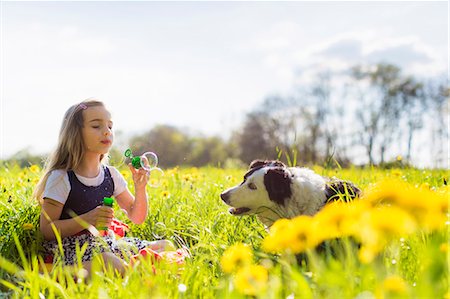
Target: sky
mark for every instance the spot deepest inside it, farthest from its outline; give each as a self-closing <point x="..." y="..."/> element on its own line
<point x="195" y="65"/>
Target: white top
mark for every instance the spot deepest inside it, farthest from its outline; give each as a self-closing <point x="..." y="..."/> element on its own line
<point x="58" y="185"/>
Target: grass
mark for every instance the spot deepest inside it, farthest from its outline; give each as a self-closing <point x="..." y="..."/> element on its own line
<point x="187" y="209"/>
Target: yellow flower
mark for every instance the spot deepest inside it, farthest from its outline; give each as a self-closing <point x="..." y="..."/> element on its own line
<point x="34" y="168"/>
<point x="125" y="174"/>
<point x="27" y="226"/>
<point x="394" y="285"/>
<point x="426" y="206"/>
<point x="251" y="280"/>
<point x="444" y="247"/>
<point x="187" y="177"/>
<point x="236" y="256"/>
<point x="366" y="254"/>
<point x="165" y="194"/>
<point x="399" y="158"/>
<point x="340" y="219"/>
<point x="396" y="172"/>
<point x="379" y="225"/>
<point x="294" y="236"/>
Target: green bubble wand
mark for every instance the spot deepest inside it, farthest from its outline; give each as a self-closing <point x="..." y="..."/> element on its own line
<point x="147" y="161"/>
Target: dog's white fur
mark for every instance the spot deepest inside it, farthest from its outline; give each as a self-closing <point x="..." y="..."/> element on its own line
<point x="307" y="196"/>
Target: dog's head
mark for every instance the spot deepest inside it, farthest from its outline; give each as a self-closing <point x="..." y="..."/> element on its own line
<point x="265" y="185"/>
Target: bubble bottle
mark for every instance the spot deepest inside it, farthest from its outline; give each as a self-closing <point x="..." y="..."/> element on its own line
<point x="107" y="201"/>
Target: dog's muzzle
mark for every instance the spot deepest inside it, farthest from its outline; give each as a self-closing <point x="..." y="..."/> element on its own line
<point x="225" y="197"/>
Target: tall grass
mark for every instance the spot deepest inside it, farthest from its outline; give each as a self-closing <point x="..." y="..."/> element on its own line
<point x="187" y="209"/>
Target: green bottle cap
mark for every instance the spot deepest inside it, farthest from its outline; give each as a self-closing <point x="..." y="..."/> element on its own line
<point x="108" y="201"/>
<point x="136" y="162"/>
<point x="128" y="153"/>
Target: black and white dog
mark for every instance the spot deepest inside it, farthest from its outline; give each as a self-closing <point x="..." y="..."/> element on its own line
<point x="272" y="191"/>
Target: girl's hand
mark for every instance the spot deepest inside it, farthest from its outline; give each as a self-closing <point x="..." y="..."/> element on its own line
<point x="140" y="177"/>
<point x="101" y="216"/>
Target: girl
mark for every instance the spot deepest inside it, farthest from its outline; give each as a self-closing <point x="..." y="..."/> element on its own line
<point x="73" y="186"/>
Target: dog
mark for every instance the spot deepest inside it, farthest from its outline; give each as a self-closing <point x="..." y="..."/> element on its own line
<point x="271" y="190"/>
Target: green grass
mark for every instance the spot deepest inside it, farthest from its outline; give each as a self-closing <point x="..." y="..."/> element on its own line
<point x="187" y="209"/>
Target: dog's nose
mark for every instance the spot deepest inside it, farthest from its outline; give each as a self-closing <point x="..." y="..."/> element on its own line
<point x="225" y="197"/>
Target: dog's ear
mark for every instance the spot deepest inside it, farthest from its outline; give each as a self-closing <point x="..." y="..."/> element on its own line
<point x="336" y="190"/>
<point x="262" y="163"/>
<point x="278" y="184"/>
<point x="257" y="164"/>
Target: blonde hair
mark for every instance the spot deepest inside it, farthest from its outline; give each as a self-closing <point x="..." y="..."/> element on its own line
<point x="70" y="149"/>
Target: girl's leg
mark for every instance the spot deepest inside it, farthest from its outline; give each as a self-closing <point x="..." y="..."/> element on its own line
<point x="110" y="260"/>
<point x="161" y="245"/>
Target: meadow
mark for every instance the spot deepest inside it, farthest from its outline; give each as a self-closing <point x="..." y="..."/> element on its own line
<point x="401" y="225"/>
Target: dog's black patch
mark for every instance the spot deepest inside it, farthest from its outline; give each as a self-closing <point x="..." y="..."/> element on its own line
<point x="278" y="184"/>
<point x="336" y="190"/>
<point x="262" y="163"/>
<point x="258" y="164"/>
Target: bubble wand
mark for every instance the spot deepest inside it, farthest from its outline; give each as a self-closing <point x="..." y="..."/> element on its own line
<point x="147" y="161"/>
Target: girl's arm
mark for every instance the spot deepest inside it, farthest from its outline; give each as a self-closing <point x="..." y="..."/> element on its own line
<point x="51" y="211"/>
<point x="137" y="206"/>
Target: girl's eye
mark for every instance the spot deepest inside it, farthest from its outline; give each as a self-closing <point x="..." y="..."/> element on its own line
<point x="252" y="186"/>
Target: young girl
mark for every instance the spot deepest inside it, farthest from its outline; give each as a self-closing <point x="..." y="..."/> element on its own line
<point x="73" y="186"/>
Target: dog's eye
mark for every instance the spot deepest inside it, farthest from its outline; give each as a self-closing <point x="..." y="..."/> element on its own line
<point x="252" y="186"/>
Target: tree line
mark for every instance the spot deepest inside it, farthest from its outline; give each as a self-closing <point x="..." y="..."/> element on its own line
<point x="374" y="112"/>
<point x="368" y="115"/>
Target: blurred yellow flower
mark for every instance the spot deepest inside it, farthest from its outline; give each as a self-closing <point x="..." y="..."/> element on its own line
<point x="236" y="256"/>
<point x="165" y="194"/>
<point x="394" y="285"/>
<point x="380" y="225"/>
<point x="125" y="174"/>
<point x="34" y="168"/>
<point x="399" y="158"/>
<point x="396" y="172"/>
<point x="251" y="280"/>
<point x="295" y="235"/>
<point x="27" y="226"/>
<point x="187" y="177"/>
<point x="340" y="219"/>
<point x="428" y="207"/>
<point x="367" y="254"/>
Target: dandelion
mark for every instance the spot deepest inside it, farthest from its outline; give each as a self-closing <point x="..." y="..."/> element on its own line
<point x="236" y="256"/>
<point x="396" y="172"/>
<point x="295" y="235"/>
<point x="340" y="219"/>
<point x="187" y="178"/>
<point x="165" y="194"/>
<point x="394" y="286"/>
<point x="34" y="168"/>
<point x="399" y="158"/>
<point x="428" y="207"/>
<point x="380" y="225"/>
<point x="251" y="280"/>
<point x="125" y="174"/>
<point x="27" y="226"/>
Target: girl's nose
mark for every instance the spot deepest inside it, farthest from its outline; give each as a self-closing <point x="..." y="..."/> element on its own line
<point x="108" y="132"/>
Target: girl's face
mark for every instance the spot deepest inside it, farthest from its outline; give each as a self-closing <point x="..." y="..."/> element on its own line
<point x="97" y="130"/>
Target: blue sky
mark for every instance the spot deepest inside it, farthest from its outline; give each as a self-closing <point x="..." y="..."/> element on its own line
<point x="196" y="65"/>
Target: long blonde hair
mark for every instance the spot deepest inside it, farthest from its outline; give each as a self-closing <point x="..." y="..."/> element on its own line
<point x="70" y="149"/>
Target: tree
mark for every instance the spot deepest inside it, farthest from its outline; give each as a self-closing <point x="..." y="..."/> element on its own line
<point x="378" y="108"/>
<point x="170" y="144"/>
<point x="258" y="139"/>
